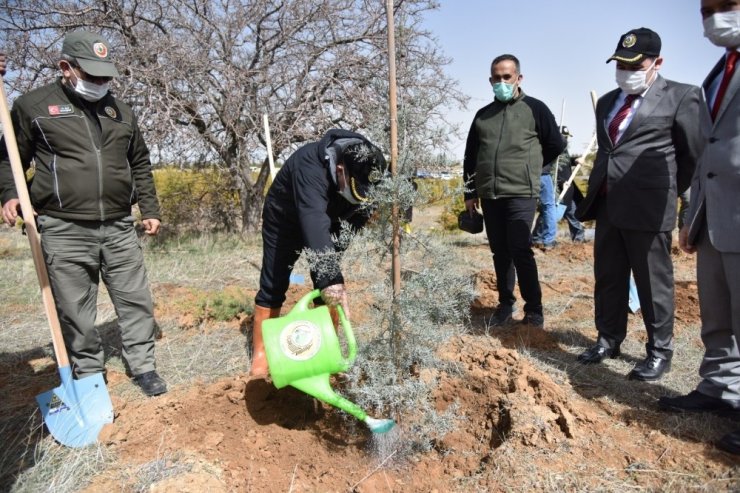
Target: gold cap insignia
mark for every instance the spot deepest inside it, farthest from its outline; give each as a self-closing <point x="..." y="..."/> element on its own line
<point x="629" y="41"/>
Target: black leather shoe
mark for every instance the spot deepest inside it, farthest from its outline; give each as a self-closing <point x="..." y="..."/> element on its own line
<point x="696" y="402"/>
<point x="151" y="383"/>
<point x="650" y="369"/>
<point x="533" y="319"/>
<point x="501" y="316"/>
<point x="597" y="354"/>
<point x="730" y="443"/>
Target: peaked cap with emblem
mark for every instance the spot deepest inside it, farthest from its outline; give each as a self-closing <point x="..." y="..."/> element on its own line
<point x="365" y="165"/>
<point x="636" y="45"/>
<point x="92" y="53"/>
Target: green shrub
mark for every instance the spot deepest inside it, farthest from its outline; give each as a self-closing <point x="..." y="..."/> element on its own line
<point x="204" y="200"/>
<point x="449" y="194"/>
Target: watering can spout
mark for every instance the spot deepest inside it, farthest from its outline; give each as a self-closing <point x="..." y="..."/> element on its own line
<point x="318" y="387"/>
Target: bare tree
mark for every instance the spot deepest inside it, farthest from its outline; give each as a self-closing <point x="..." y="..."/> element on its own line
<point x="202" y="72"/>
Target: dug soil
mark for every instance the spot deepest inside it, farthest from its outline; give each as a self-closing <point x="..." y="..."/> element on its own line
<point x="523" y="426"/>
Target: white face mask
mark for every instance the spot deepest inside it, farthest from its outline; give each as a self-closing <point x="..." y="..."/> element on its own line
<point x="633" y="82"/>
<point x="723" y="28"/>
<point x="89" y="91"/>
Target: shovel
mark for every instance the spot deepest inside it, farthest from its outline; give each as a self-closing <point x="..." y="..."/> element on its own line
<point x="559" y="207"/>
<point x="76" y="411"/>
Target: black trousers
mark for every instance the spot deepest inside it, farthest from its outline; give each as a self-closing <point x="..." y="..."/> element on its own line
<point x="648" y="255"/>
<point x="282" y="244"/>
<point x="508" y="225"/>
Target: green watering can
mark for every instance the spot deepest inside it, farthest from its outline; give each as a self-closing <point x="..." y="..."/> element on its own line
<point x="303" y="349"/>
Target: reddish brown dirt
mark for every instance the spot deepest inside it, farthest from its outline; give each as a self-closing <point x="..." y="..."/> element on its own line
<point x="245" y="435"/>
<point x="261" y="439"/>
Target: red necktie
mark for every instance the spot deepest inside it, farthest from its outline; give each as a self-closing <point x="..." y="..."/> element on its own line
<point x="729" y="69"/>
<point x="620" y="116"/>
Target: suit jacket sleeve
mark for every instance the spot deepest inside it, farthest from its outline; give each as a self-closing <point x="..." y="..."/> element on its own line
<point x="687" y="138"/>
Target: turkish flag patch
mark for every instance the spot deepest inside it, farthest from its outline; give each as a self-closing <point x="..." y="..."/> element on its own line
<point x="60" y="109"/>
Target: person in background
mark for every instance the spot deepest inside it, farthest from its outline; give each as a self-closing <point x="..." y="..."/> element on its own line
<point x="509" y="142"/>
<point x="546" y="226"/>
<point x="648" y="144"/>
<point x="91" y="165"/>
<point x="321" y="186"/>
<point x="711" y="229"/>
<point x="571" y="198"/>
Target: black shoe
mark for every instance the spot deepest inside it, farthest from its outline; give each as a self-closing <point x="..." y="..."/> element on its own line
<point x="650" y="369"/>
<point x="696" y="402"/>
<point x="597" y="354"/>
<point x="501" y="316"/>
<point x="533" y="319"/>
<point x="151" y="383"/>
<point x="730" y="443"/>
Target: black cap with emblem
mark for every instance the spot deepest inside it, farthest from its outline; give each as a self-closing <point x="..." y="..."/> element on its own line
<point x="636" y="45"/>
<point x="365" y="165"/>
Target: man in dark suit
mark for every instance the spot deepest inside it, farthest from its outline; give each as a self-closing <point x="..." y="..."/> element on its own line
<point x="712" y="228"/>
<point x="648" y="142"/>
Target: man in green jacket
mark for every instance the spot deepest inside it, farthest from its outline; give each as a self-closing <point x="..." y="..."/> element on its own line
<point x="91" y="165"/>
<point x="509" y="142"/>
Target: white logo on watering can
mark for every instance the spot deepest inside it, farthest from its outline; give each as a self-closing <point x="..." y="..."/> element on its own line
<point x="300" y="340"/>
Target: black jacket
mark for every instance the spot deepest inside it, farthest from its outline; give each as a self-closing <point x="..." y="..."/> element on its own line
<point x="85" y="169"/>
<point x="304" y="198"/>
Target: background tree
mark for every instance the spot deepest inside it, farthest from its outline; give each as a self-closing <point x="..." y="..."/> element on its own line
<point x="201" y="73"/>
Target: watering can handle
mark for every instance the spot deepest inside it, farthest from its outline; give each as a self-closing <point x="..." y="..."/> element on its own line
<point x="302" y="306"/>
<point x="351" y="343"/>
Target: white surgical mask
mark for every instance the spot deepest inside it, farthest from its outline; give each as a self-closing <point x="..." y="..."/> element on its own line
<point x="723" y="28"/>
<point x="90" y="91"/>
<point x="633" y="82"/>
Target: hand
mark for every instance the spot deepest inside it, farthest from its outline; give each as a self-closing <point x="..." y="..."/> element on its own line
<point x="151" y="226"/>
<point x="683" y="240"/>
<point x="2" y="64"/>
<point x="471" y="205"/>
<point x="336" y="295"/>
<point x="11" y="210"/>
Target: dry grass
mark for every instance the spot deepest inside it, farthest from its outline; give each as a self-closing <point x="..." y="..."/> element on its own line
<point x="29" y="462"/>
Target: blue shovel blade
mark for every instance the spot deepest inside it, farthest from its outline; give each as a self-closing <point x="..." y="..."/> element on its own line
<point x="77" y="410"/>
<point x="634" y="300"/>
<point x="297" y="279"/>
<point x="559" y="211"/>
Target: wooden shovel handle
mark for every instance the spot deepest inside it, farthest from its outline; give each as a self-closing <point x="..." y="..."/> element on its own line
<point x="19" y="177"/>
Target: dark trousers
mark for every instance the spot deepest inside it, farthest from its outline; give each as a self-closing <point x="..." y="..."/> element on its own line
<point x="648" y="255"/>
<point x="508" y="222"/>
<point x="281" y="246"/>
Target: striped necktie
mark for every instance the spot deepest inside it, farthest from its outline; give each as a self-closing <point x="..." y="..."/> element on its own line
<point x="620" y="116"/>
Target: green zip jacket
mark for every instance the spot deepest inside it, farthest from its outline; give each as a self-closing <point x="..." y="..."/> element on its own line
<point x="84" y="170"/>
<point x="507" y="146"/>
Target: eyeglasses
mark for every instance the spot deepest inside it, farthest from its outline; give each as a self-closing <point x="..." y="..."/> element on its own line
<point x="91" y="78"/>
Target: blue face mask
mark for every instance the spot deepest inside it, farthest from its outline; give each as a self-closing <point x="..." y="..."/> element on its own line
<point x="503" y="91"/>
